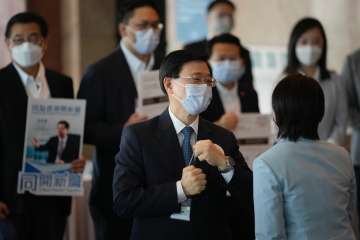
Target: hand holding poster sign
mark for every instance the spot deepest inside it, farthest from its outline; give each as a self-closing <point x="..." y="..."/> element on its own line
<point x="254" y="135"/>
<point x="53" y="143"/>
<point x="151" y="100"/>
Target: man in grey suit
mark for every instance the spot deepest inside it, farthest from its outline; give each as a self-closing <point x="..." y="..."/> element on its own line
<point x="351" y="79"/>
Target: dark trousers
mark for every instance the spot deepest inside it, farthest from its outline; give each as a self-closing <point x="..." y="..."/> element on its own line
<point x="39" y="226"/>
<point x="110" y="227"/>
<point x="357" y="175"/>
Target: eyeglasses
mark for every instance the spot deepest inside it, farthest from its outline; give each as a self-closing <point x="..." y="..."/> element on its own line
<point x="156" y="25"/>
<point x="34" y="38"/>
<point x="199" y="80"/>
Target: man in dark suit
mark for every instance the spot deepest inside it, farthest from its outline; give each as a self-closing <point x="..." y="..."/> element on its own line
<point x="231" y="96"/>
<point x="34" y="217"/>
<point x="175" y="173"/>
<point x="109" y="86"/>
<point x="62" y="148"/>
<point x="220" y="18"/>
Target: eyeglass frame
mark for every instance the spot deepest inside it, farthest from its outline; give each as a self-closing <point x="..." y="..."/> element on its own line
<point x="156" y="25"/>
<point x="211" y="83"/>
<point x="17" y="40"/>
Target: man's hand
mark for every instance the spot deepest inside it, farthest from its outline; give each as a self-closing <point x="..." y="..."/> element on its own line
<point x="78" y="165"/>
<point x="35" y="142"/>
<point x="4" y="211"/>
<point x="136" y="118"/>
<point x="193" y="180"/>
<point x="229" y="121"/>
<point x="206" y="150"/>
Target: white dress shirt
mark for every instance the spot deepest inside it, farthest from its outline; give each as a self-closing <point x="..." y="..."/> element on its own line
<point x="35" y="87"/>
<point x="179" y="126"/>
<point x="229" y="98"/>
<point x="135" y="64"/>
<point x="64" y="140"/>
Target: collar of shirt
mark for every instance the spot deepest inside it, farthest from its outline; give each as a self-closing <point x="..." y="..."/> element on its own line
<point x="316" y="75"/>
<point x="179" y="125"/>
<point x="40" y="77"/>
<point x="64" y="139"/>
<point x="135" y="64"/>
<point x="229" y="98"/>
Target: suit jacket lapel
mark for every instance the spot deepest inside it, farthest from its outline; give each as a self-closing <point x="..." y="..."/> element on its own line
<point x="15" y="85"/>
<point x="123" y="67"/>
<point x="170" y="146"/>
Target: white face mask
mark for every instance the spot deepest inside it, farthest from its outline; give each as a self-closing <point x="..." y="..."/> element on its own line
<point x="197" y="98"/>
<point x="308" y="55"/>
<point x="146" y="41"/>
<point x="27" y="54"/>
<point x="222" y="25"/>
<point x="227" y="71"/>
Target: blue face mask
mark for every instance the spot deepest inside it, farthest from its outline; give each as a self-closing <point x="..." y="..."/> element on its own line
<point x="227" y="71"/>
<point x="146" y="41"/>
<point x="197" y="99"/>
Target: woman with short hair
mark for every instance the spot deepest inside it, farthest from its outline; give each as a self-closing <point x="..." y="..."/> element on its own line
<point x="304" y="188"/>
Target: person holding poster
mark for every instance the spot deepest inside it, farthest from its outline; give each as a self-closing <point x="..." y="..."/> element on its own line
<point x="232" y="95"/>
<point x="34" y="217"/>
<point x="110" y="89"/>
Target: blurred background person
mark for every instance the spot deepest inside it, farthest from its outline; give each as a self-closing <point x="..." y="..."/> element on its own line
<point x="34" y="217"/>
<point x="232" y="94"/>
<point x="304" y="188"/>
<point x="307" y="51"/>
<point x="109" y="86"/>
<point x="220" y="20"/>
<point x="351" y="81"/>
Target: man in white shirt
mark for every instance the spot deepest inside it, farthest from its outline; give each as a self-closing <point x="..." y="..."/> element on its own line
<point x="232" y="95"/>
<point x="34" y="217"/>
<point x="109" y="86"/>
<point x="177" y="174"/>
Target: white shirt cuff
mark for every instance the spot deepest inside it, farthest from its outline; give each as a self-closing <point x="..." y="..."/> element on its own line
<point x="228" y="176"/>
<point x="180" y="192"/>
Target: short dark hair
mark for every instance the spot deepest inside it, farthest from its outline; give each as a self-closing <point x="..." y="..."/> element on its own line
<point x="65" y="123"/>
<point x="298" y="104"/>
<point x="302" y="26"/>
<point x="216" y="2"/>
<point x="223" y="38"/>
<point x="126" y="10"/>
<point x="172" y="64"/>
<point x="24" y="18"/>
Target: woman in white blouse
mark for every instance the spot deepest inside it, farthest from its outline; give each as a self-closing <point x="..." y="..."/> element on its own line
<point x="307" y="51"/>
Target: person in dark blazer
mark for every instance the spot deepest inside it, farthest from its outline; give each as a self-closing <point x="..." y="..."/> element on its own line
<point x="62" y="148"/>
<point x="175" y="173"/>
<point x="109" y="86"/>
<point x="34" y="217"/>
<point x="231" y="96"/>
<point x="220" y="20"/>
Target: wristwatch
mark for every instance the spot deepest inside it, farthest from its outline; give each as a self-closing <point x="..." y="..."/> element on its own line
<point x="230" y="163"/>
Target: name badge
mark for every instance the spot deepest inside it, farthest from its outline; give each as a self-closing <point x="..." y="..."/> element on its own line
<point x="183" y="215"/>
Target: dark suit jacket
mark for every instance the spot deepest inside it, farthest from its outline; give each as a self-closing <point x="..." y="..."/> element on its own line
<point x="248" y="102"/>
<point x="199" y="48"/>
<point x="13" y="108"/>
<point x="149" y="163"/>
<point x="110" y="91"/>
<point x="70" y="152"/>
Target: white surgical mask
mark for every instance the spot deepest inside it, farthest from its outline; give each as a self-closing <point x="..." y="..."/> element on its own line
<point x="308" y="55"/>
<point x="146" y="41"/>
<point x="227" y="71"/>
<point x="222" y="25"/>
<point x="197" y="97"/>
<point x="26" y="54"/>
